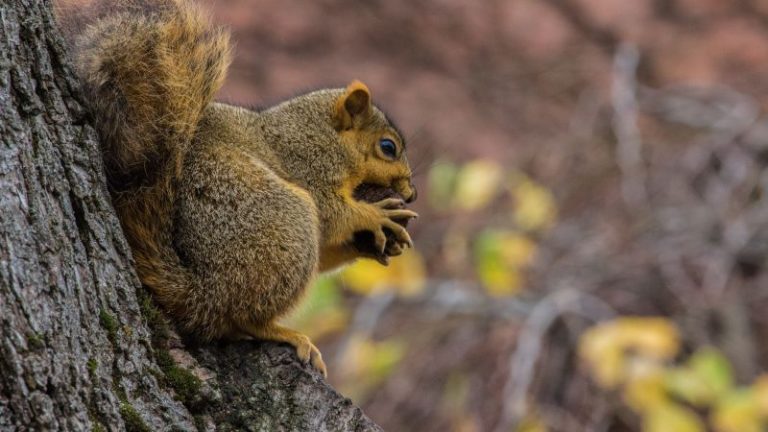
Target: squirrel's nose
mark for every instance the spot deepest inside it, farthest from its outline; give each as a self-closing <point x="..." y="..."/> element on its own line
<point x="412" y="198"/>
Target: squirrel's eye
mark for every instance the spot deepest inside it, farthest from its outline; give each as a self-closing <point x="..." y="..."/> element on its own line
<point x="388" y="147"/>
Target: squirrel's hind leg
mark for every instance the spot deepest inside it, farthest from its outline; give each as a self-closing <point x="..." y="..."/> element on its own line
<point x="252" y="240"/>
<point x="305" y="349"/>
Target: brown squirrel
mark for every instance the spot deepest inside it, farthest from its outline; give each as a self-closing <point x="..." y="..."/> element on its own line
<point x="231" y="213"/>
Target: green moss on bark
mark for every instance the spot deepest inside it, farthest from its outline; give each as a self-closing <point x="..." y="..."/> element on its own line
<point x="35" y="341"/>
<point x="183" y="382"/>
<point x="92" y="365"/>
<point x="132" y="419"/>
<point x="110" y="324"/>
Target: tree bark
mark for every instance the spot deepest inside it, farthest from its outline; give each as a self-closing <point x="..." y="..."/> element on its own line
<point x="81" y="345"/>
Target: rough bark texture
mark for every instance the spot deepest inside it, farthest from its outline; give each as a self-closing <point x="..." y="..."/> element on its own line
<point x="76" y="350"/>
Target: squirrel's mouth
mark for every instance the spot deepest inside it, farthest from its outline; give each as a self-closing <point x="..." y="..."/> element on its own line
<point x="370" y="192"/>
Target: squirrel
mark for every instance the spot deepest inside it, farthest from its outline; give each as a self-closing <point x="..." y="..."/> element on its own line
<point x="230" y="213"/>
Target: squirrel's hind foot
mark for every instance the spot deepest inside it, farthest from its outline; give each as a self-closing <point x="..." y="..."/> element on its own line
<point x="305" y="349"/>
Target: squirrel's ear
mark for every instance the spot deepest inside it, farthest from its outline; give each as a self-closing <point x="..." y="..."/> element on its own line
<point x="354" y="104"/>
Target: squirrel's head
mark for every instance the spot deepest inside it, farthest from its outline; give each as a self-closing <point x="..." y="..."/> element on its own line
<point x="375" y="147"/>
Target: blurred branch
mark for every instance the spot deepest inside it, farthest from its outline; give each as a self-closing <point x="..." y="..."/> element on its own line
<point x="532" y="335"/>
<point x="366" y="317"/>
<point x="714" y="108"/>
<point x="629" y="149"/>
<point x="737" y="337"/>
<point x="439" y="301"/>
<point x="723" y="216"/>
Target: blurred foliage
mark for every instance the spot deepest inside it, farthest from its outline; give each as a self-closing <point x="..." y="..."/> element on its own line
<point x="500" y="258"/>
<point x="473" y="186"/>
<point x="600" y="101"/>
<point x="532" y="423"/>
<point x="366" y="363"/>
<point x="498" y="254"/>
<point x="477" y="183"/>
<point x="456" y="394"/>
<point x="627" y="346"/>
<point x="501" y="253"/>
<point x="535" y="208"/>
<point x="322" y="312"/>
<point x="636" y="357"/>
<point x="405" y="275"/>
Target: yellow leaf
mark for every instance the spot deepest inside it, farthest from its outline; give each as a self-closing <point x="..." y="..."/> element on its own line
<point x="646" y="392"/>
<point x="500" y="259"/>
<point x="477" y="184"/>
<point x="652" y="337"/>
<point x="366" y="277"/>
<point x="606" y="362"/>
<point x="640" y="366"/>
<point x="499" y="280"/>
<point x="760" y="389"/>
<point x="532" y="422"/>
<point x="737" y="411"/>
<point x="535" y="207"/>
<point x="671" y="418"/>
<point x="517" y="250"/>
<point x="406" y="274"/>
<point x="604" y="347"/>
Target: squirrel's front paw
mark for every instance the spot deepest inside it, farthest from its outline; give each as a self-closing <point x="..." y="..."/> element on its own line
<point x="391" y="210"/>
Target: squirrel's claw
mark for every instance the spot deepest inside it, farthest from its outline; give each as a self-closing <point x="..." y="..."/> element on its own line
<point x="401" y="214"/>
<point x="401" y="234"/>
<point x="305" y="349"/>
<point x="380" y="241"/>
<point x="394" y="249"/>
<point x="308" y="353"/>
<point x="390" y="203"/>
<point x="383" y="260"/>
<point x="390" y="211"/>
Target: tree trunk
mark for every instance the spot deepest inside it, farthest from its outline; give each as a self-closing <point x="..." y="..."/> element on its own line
<point x="81" y="345"/>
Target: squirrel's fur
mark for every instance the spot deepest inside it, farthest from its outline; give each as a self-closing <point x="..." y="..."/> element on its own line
<point x="230" y="213"/>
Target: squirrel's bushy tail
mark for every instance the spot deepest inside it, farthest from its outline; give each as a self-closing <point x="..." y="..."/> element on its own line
<point x="149" y="70"/>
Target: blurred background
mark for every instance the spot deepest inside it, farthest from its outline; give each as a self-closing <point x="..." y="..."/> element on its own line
<point x="594" y="228"/>
<point x="591" y="247"/>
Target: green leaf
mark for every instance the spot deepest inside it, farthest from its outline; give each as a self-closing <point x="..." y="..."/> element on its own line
<point x="713" y="368"/>
<point x="686" y="384"/>
<point x="441" y="184"/>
